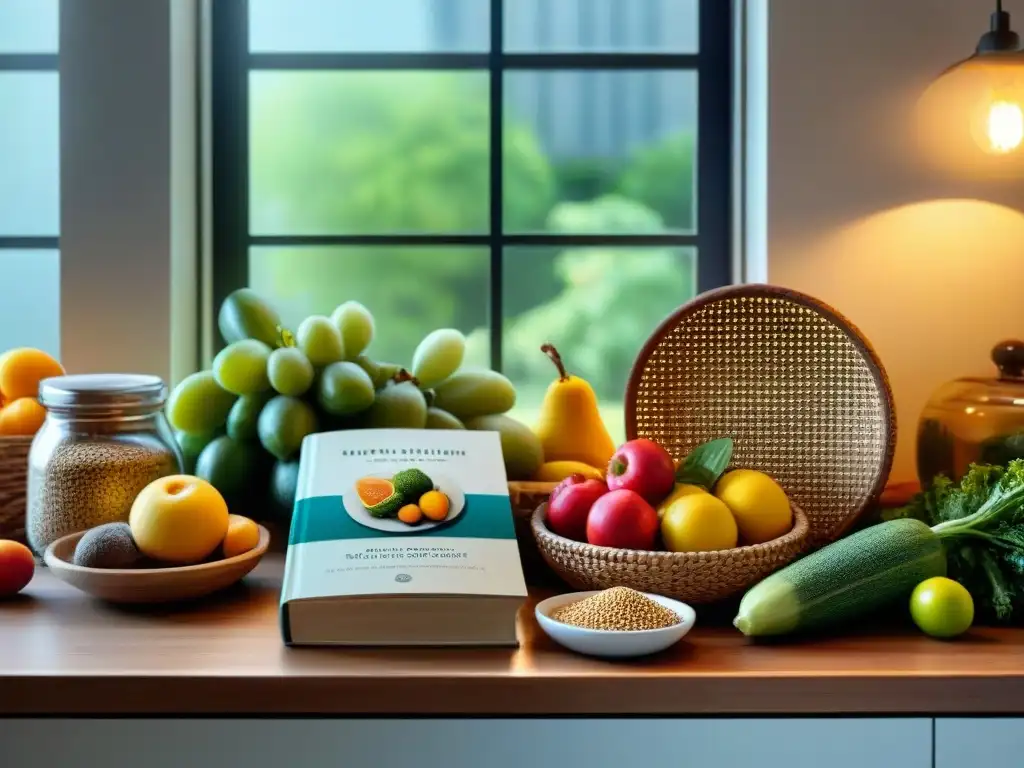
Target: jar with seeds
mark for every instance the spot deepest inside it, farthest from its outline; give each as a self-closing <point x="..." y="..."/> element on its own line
<point x="105" y="438"/>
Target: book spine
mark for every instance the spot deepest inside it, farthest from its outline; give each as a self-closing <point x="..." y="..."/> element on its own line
<point x="307" y="465"/>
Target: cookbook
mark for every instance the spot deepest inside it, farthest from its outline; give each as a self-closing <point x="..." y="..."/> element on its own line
<point x="401" y="537"/>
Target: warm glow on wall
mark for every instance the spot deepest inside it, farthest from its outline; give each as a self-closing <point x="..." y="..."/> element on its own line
<point x="973" y="114"/>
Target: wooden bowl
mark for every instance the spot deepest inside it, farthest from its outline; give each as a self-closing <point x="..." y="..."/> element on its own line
<point x="692" y="577"/>
<point x="150" y="585"/>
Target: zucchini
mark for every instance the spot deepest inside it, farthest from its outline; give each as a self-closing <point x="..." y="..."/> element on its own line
<point x="850" y="577"/>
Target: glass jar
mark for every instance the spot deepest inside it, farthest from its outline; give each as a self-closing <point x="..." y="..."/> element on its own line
<point x="974" y="420"/>
<point x="105" y="438"/>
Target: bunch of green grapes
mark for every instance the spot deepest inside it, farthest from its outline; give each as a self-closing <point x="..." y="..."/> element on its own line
<point x="245" y="419"/>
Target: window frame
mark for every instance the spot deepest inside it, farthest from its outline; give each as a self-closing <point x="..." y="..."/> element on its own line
<point x="230" y="65"/>
<point x="30" y="62"/>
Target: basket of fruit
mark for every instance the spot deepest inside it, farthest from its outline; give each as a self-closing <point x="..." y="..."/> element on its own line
<point x="692" y="531"/>
<point x="13" y="474"/>
<point x="792" y="381"/>
<point x="21" y="416"/>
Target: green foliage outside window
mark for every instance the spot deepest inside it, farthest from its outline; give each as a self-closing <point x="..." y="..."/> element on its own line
<point x="398" y="152"/>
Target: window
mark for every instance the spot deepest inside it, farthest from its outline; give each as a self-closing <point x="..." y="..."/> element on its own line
<point x="30" y="181"/>
<point x="527" y="171"/>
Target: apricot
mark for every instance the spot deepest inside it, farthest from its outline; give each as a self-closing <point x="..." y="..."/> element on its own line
<point x="243" y="534"/>
<point x="434" y="505"/>
<point x="16" y="567"/>
<point x="23" y="416"/>
<point x="410" y="514"/>
<point x="21" y="370"/>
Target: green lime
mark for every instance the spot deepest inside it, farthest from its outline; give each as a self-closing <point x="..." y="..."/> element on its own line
<point x="942" y="607"/>
<point x="230" y="466"/>
<point x="191" y="446"/>
<point x="283" y="481"/>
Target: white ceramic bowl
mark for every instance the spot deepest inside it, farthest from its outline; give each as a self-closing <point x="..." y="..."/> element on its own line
<point x="613" y="643"/>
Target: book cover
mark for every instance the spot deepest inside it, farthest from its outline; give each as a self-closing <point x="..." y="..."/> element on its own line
<point x="400" y="513"/>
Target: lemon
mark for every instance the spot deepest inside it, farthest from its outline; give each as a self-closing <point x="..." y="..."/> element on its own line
<point x="680" y="490"/>
<point x="758" y="503"/>
<point x="942" y="607"/>
<point x="698" y="522"/>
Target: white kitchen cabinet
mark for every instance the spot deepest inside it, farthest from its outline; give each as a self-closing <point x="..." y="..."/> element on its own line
<point x="975" y="742"/>
<point x="497" y="743"/>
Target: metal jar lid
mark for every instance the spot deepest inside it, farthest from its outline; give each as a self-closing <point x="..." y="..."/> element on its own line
<point x="103" y="392"/>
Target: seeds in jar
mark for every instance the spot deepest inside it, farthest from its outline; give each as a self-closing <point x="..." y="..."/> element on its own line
<point x="88" y="483"/>
<point x="618" y="608"/>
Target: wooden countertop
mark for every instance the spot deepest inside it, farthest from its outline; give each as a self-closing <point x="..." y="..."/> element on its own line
<point x="63" y="653"/>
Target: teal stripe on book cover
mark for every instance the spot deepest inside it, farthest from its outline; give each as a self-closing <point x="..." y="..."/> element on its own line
<point x="323" y="518"/>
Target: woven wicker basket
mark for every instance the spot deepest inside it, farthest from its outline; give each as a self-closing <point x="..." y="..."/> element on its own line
<point x="525" y="497"/>
<point x="693" y="577"/>
<point x="13" y="478"/>
<point x="793" y="382"/>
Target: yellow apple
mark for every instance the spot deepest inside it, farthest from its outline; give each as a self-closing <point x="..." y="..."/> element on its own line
<point x="179" y="519"/>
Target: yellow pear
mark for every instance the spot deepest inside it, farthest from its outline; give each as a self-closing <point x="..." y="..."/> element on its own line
<point x="570" y="426"/>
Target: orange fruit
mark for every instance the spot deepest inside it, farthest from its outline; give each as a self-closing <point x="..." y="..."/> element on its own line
<point x="434" y="505"/>
<point x="243" y="534"/>
<point x="16" y="567"/>
<point x="410" y="514"/>
<point x="21" y="370"/>
<point x="373" y="490"/>
<point x="23" y="416"/>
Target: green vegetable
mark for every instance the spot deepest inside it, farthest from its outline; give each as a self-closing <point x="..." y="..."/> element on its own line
<point x="974" y="529"/>
<point x="412" y="483"/>
<point x="388" y="507"/>
<point x="981" y="520"/>
<point x="849" y="577"/>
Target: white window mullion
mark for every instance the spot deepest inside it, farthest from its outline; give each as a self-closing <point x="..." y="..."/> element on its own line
<point x="122" y="129"/>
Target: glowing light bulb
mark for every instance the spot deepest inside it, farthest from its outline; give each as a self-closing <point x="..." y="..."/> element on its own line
<point x="1005" y="126"/>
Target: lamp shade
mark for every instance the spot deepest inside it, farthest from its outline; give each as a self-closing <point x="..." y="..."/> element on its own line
<point x="972" y="115"/>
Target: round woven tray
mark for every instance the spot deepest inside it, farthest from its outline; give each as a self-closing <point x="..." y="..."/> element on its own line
<point x="793" y="382"/>
<point x="693" y="577"/>
<point x="13" y="479"/>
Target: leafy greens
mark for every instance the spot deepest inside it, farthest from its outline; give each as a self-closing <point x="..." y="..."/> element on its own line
<point x="981" y="521"/>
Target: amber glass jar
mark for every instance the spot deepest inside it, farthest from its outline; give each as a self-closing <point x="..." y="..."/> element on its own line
<point x="974" y="420"/>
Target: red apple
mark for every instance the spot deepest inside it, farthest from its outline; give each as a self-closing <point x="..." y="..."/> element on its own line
<point x="644" y="467"/>
<point x="570" y="503"/>
<point x="624" y="519"/>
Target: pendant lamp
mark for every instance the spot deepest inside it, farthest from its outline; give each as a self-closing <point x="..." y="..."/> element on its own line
<point x="973" y="113"/>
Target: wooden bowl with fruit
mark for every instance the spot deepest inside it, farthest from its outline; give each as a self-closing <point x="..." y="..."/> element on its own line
<point x="693" y="531"/>
<point x="180" y="543"/>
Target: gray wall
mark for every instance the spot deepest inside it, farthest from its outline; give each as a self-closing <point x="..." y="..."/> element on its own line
<point x="925" y="261"/>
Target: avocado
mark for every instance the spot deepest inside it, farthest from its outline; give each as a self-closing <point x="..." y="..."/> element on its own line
<point x="412" y="483"/>
<point x="107" y="546"/>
